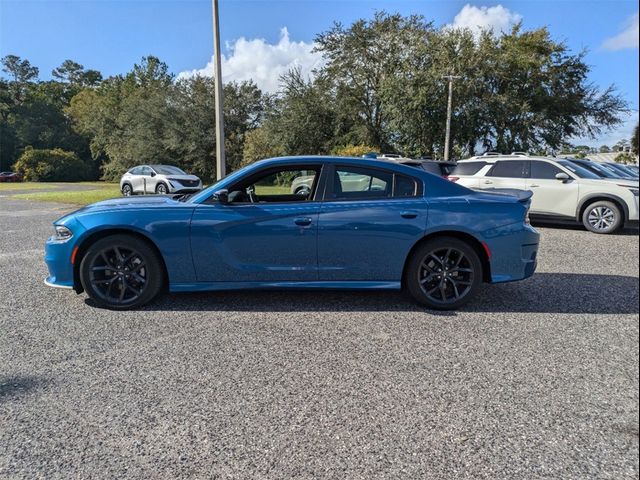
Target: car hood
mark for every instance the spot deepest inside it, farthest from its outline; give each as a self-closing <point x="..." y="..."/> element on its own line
<point x="143" y="202"/>
<point x="182" y="177"/>
<point x="627" y="182"/>
<point x="618" y="181"/>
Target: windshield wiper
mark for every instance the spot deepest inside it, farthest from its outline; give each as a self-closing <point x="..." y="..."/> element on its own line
<point x="182" y="197"/>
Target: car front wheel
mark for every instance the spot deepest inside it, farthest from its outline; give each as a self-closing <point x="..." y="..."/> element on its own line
<point x="121" y="272"/>
<point x="161" y="189"/>
<point x="444" y="273"/>
<point x="602" y="217"/>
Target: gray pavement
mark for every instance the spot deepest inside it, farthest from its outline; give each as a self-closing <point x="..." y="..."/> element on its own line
<point x="535" y="379"/>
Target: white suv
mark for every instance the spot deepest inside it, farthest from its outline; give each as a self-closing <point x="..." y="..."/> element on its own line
<point x="562" y="190"/>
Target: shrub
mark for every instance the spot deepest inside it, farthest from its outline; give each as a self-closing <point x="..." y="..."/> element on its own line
<point x="624" y="158"/>
<point x="353" y="150"/>
<point x="54" y="165"/>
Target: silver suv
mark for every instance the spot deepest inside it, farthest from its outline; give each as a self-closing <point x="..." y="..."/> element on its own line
<point x="160" y="179"/>
<point x="562" y="190"/>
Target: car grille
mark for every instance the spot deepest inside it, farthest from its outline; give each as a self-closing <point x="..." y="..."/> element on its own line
<point x="189" y="183"/>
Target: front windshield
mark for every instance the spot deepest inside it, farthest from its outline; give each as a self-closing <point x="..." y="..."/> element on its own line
<point x="168" y="170"/>
<point x="600" y="170"/>
<point x="578" y="170"/>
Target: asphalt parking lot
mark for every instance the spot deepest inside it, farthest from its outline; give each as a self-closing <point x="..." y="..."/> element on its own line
<point x="536" y="379"/>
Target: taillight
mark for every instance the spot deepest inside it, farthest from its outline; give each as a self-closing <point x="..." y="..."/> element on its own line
<point x="527" y="220"/>
<point x="451" y="178"/>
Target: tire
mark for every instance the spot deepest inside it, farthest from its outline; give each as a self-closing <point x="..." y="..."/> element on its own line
<point x="444" y="273"/>
<point x="602" y="217"/>
<point x="127" y="191"/>
<point x="118" y="262"/>
<point x="162" y="189"/>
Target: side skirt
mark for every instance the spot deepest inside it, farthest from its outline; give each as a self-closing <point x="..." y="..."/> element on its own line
<point x="221" y="286"/>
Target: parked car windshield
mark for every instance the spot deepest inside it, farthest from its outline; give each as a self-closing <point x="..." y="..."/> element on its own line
<point x="578" y="170"/>
<point x="598" y="169"/>
<point x="167" y="170"/>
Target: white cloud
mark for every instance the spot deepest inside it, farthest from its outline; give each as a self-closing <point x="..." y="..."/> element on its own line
<point x="497" y="19"/>
<point x="262" y="62"/>
<point x="628" y="38"/>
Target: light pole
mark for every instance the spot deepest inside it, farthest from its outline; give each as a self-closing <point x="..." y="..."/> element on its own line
<point x="220" y="161"/>
<point x="451" y="78"/>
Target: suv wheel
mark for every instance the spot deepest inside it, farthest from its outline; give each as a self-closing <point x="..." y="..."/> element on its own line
<point x="602" y="217"/>
<point x="121" y="272"/>
<point x="161" y="189"/>
<point x="444" y="273"/>
<point x="127" y="190"/>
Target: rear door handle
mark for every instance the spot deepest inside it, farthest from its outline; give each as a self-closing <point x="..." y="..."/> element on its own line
<point x="302" y="221"/>
<point x="408" y="214"/>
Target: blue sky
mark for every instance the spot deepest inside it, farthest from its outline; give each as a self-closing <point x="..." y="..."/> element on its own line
<point x="111" y="35"/>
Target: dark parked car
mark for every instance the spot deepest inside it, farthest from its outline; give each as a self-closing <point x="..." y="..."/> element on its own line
<point x="10" y="177"/>
<point x="435" y="167"/>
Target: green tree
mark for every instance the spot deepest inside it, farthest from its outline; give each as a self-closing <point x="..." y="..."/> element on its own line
<point x="634" y="141"/>
<point x="260" y="144"/>
<point x="361" y="59"/>
<point x="54" y="165"/>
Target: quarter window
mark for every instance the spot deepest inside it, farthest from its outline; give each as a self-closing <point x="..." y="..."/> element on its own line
<point x="544" y="170"/>
<point x="404" y="186"/>
<point x="508" y="169"/>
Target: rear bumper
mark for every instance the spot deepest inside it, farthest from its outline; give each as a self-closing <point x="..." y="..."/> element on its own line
<point x="514" y="253"/>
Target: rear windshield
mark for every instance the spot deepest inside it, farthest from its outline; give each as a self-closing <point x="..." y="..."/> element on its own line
<point x="467" y="168"/>
<point x="578" y="170"/>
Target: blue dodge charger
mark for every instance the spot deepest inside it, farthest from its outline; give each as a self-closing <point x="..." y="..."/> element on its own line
<point x="299" y="222"/>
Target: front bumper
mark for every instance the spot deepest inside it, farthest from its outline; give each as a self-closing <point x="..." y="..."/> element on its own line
<point x="57" y="256"/>
<point x="514" y="252"/>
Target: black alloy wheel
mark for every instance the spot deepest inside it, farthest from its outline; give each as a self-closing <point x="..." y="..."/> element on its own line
<point x="444" y="273"/>
<point x="121" y="272"/>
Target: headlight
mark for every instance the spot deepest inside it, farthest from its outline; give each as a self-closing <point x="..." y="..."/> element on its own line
<point x="63" y="233"/>
<point x="634" y="191"/>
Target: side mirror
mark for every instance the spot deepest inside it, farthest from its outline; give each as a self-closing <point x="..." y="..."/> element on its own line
<point x="153" y="174"/>
<point x="222" y="196"/>
<point x="562" y="176"/>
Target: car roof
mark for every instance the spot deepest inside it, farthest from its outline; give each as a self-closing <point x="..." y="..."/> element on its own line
<point x="496" y="158"/>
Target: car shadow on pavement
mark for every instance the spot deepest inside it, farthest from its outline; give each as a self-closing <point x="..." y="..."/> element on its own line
<point x="542" y="293"/>
<point x="18" y="386"/>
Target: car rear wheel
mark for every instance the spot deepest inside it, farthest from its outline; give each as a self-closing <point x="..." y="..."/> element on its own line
<point x="127" y="191"/>
<point x="121" y="272"/>
<point x="602" y="217"/>
<point x="161" y="189"/>
<point x="444" y="273"/>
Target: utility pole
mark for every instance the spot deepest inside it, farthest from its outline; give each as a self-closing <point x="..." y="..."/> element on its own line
<point x="451" y="78"/>
<point x="220" y="160"/>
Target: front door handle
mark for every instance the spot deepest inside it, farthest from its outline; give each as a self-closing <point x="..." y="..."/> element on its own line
<point x="534" y="185"/>
<point x="488" y="182"/>
<point x="302" y="221"/>
<point x="408" y="214"/>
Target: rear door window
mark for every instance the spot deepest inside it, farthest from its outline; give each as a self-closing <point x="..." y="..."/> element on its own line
<point x="508" y="169"/>
<point x="467" y="168"/>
